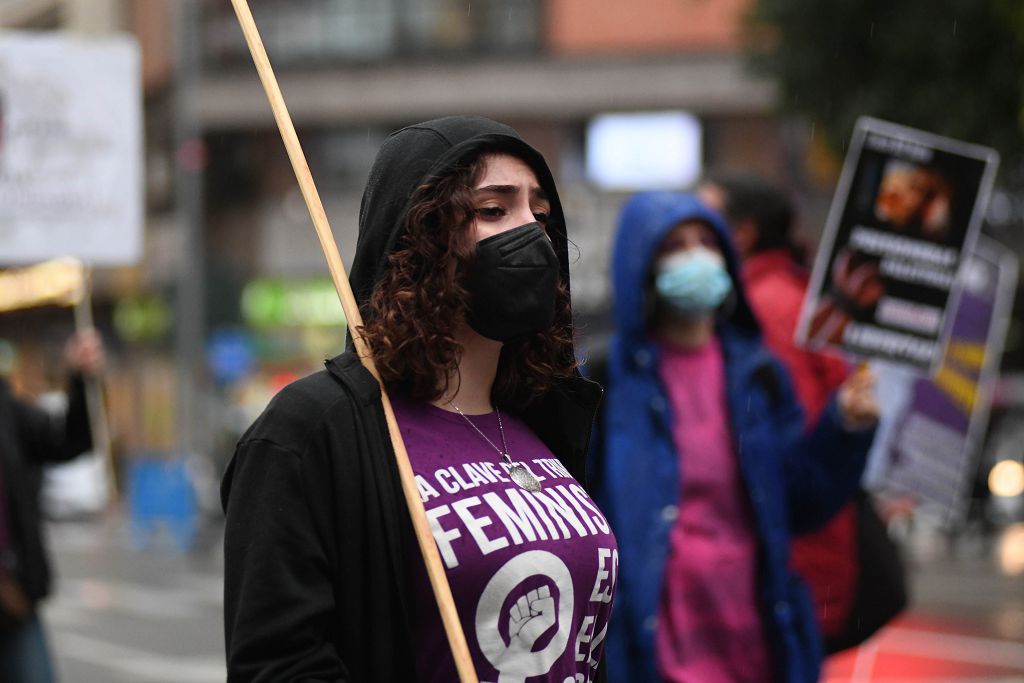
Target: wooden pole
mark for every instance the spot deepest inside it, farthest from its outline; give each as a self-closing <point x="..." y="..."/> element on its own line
<point x="438" y="579"/>
<point x="94" y="403"/>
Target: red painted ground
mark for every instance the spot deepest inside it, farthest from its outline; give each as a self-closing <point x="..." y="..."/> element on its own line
<point x="922" y="649"/>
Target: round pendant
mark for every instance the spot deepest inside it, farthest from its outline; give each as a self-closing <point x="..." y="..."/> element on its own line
<point x="523" y="478"/>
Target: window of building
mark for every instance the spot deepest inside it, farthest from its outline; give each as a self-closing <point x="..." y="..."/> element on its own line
<point x="319" y="31"/>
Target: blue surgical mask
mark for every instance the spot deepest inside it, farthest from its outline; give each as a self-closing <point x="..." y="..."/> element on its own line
<point x="694" y="282"/>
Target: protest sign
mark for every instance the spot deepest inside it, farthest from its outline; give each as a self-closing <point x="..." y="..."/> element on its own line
<point x="936" y="424"/>
<point x="70" y="148"/>
<point x="907" y="208"/>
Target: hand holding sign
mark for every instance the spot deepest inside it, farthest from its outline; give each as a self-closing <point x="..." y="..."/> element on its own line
<point x="84" y="353"/>
<point x="858" y="404"/>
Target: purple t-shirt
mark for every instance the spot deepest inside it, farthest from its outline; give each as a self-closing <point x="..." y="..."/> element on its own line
<point x="532" y="574"/>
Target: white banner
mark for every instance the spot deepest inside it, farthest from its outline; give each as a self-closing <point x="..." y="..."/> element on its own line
<point x="71" y="179"/>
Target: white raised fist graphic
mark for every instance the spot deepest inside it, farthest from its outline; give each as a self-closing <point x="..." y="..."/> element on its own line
<point x="531" y="616"/>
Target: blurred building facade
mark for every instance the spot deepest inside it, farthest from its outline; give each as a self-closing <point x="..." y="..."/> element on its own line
<point x="354" y="71"/>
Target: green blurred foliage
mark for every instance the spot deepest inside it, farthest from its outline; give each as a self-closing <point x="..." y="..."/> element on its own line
<point x="954" y="67"/>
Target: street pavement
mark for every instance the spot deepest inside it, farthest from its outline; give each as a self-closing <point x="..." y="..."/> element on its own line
<point x="134" y="613"/>
<point x="127" y="613"/>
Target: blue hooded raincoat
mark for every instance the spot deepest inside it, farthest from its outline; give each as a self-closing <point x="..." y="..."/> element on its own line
<point x="795" y="481"/>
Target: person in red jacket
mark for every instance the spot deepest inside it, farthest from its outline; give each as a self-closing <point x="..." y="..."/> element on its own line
<point x="761" y="217"/>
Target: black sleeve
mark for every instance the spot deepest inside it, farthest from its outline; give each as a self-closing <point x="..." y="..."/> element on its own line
<point x="48" y="439"/>
<point x="279" y="600"/>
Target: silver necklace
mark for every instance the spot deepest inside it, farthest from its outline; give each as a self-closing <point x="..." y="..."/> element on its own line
<point x="522" y="477"/>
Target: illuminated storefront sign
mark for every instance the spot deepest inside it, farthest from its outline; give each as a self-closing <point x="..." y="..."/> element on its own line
<point x="271" y="303"/>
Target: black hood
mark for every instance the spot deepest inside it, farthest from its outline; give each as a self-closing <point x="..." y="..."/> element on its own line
<point x="412" y="156"/>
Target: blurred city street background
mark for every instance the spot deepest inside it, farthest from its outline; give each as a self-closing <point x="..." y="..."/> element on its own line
<point x="215" y="293"/>
<point x="153" y="616"/>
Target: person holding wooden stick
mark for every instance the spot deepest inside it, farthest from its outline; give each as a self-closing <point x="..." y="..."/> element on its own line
<point x="30" y="438"/>
<point x="461" y="274"/>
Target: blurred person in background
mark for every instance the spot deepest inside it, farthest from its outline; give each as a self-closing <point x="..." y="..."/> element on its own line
<point x="854" y="596"/>
<point x="30" y="438"/>
<point x="703" y="465"/>
<point x="461" y="270"/>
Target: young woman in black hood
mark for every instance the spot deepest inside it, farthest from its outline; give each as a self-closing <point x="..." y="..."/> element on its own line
<point x="461" y="272"/>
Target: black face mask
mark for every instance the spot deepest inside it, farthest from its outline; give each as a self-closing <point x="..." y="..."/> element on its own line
<point x="514" y="283"/>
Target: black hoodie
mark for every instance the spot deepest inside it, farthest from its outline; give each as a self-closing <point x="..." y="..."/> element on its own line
<point x="30" y="438"/>
<point x="317" y="568"/>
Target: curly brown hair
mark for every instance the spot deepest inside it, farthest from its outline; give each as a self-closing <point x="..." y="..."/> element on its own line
<point x="419" y="302"/>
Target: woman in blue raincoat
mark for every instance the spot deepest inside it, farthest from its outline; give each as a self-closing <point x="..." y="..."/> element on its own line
<point x="703" y="464"/>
